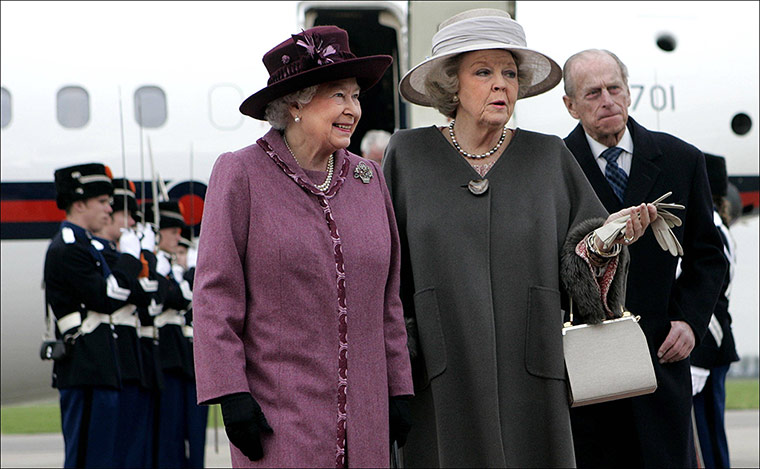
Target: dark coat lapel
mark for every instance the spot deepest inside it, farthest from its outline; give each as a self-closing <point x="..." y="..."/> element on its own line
<point x="578" y="146"/>
<point x="644" y="169"/>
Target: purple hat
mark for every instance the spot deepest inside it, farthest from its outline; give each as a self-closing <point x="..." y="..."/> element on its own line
<point x="317" y="55"/>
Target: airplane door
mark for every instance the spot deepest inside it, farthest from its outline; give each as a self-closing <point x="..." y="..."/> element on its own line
<point x="373" y="28"/>
<point x="424" y="18"/>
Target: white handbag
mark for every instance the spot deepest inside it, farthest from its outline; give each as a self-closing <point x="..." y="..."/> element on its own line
<point x="607" y="361"/>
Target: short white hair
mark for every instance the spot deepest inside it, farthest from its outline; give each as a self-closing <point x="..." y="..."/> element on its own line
<point x="375" y="138"/>
<point x="277" y="112"/>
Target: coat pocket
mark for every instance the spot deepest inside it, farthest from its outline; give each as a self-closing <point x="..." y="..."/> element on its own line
<point x="432" y="343"/>
<point x="543" y="334"/>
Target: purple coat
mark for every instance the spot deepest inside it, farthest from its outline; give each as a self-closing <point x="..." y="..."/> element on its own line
<point x="296" y="301"/>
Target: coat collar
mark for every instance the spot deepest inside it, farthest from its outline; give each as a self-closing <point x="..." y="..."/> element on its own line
<point x="644" y="171"/>
<point x="274" y="145"/>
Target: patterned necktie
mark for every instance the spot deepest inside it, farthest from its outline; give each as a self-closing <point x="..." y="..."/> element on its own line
<point x="614" y="173"/>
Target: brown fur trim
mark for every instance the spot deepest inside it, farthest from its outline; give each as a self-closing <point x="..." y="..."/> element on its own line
<point x="580" y="283"/>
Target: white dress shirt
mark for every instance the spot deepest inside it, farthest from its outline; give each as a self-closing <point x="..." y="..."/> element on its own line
<point x="625" y="158"/>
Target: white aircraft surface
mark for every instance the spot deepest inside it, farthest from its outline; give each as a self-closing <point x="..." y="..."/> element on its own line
<point x="68" y="67"/>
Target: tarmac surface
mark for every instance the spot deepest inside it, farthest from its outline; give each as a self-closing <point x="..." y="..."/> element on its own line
<point x="46" y="450"/>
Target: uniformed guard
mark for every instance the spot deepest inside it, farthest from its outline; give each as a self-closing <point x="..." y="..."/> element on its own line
<point x="135" y="401"/>
<point x="175" y="355"/>
<point x="183" y="267"/>
<point x="82" y="291"/>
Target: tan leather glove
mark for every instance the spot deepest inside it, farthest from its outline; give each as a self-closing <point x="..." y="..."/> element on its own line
<point x="661" y="227"/>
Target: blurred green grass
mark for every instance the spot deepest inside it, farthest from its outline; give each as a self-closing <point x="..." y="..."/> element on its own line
<point x="741" y="393"/>
<point x="46" y="418"/>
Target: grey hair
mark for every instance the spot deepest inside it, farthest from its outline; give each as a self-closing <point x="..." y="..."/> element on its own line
<point x="567" y="77"/>
<point x="442" y="84"/>
<point x="374" y="138"/>
<point x="277" y="112"/>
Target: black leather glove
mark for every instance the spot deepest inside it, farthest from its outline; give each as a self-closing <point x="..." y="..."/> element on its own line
<point x="400" y="419"/>
<point x="244" y="422"/>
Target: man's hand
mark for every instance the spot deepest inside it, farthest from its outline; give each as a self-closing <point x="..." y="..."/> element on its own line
<point x="678" y="344"/>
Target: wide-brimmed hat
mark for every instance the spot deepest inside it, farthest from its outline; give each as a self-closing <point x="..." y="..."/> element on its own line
<point x="481" y="29"/>
<point x="316" y="55"/>
<point x="80" y="182"/>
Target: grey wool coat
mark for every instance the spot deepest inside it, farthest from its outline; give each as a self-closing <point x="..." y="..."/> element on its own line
<point x="480" y="285"/>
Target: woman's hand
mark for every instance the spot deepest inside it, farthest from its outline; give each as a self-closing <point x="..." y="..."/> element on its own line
<point x="244" y="423"/>
<point x="639" y="218"/>
<point x="400" y="419"/>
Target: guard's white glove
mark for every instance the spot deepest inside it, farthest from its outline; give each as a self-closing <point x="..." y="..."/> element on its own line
<point x="163" y="266"/>
<point x="129" y="243"/>
<point x="147" y="236"/>
<point x="192" y="258"/>
<point x="178" y="271"/>
<point x="698" y="379"/>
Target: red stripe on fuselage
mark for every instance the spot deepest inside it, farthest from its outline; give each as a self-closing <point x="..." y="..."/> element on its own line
<point x="750" y="198"/>
<point x="29" y="211"/>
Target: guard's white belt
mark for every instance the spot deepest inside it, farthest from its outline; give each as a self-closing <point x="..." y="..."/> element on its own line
<point x="125" y="316"/>
<point x="93" y="320"/>
<point x="187" y="331"/>
<point x="169" y="316"/>
<point x="69" y="322"/>
<point x="146" y="331"/>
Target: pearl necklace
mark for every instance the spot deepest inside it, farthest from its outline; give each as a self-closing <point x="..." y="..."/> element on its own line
<point x="325" y="185"/>
<point x="470" y="155"/>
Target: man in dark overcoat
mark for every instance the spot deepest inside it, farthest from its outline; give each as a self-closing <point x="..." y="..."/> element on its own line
<point x="627" y="165"/>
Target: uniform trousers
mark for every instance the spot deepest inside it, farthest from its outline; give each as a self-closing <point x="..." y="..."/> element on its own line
<point x="709" y="413"/>
<point x="182" y="424"/>
<point x="87" y="420"/>
<point x="135" y="440"/>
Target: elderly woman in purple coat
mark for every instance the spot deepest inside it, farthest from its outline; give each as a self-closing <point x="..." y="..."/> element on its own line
<point x="299" y="332"/>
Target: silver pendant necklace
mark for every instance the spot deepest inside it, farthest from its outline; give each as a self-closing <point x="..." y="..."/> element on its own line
<point x="470" y="155"/>
<point x="330" y="161"/>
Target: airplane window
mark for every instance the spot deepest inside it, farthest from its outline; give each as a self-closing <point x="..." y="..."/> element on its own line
<point x="5" y="110"/>
<point x="150" y="106"/>
<point x="73" y="107"/>
<point x="741" y="124"/>
<point x="223" y="107"/>
<point x="666" y="42"/>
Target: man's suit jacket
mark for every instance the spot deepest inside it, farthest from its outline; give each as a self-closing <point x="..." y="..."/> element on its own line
<point x="661" y="422"/>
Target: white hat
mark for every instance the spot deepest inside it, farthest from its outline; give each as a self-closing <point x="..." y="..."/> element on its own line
<point x="480" y="29"/>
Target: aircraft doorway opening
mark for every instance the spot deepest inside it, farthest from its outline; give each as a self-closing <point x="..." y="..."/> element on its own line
<point x="382" y="108"/>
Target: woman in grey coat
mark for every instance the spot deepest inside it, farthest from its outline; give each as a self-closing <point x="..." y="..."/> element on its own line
<point x="494" y="224"/>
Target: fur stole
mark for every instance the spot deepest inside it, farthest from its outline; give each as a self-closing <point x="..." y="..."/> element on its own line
<point x="579" y="281"/>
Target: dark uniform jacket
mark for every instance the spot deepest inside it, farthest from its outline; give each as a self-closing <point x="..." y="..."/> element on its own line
<point x="174" y="352"/>
<point x="658" y="424"/>
<point x="189" y="277"/>
<point x="709" y="354"/>
<point x="80" y="285"/>
<point x="131" y="361"/>
<point x="149" y="349"/>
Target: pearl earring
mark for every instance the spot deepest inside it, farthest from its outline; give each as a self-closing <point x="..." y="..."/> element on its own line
<point x="297" y="119"/>
<point x="455" y="99"/>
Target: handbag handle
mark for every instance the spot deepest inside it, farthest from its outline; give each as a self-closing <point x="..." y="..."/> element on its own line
<point x="625" y="312"/>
